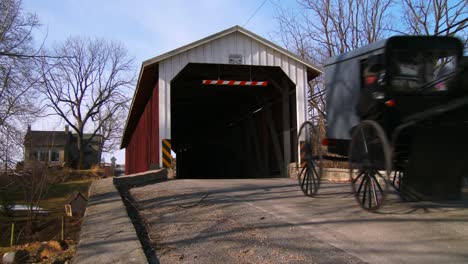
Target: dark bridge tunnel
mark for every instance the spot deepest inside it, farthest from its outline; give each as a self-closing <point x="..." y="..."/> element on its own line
<point x="233" y="131"/>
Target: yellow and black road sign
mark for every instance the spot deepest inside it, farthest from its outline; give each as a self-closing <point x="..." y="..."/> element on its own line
<point x="166" y="153"/>
<point x="303" y="153"/>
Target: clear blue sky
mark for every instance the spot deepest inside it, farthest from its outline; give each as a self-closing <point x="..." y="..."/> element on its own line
<point x="147" y="28"/>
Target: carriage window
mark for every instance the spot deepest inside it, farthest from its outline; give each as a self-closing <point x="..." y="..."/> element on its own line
<point x="440" y="67"/>
<point x="412" y="70"/>
<point x="406" y="69"/>
<point x="371" y="69"/>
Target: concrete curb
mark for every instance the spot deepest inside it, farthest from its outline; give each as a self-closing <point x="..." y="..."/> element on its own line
<point x="335" y="175"/>
<point x="107" y="234"/>
<point x="328" y="174"/>
<point x="139" y="179"/>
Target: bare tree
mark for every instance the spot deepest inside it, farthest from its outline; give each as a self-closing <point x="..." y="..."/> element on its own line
<point x="334" y="27"/>
<point x="325" y="28"/>
<point x="436" y="17"/>
<point x="17" y="76"/>
<point x="88" y="86"/>
<point x="18" y="99"/>
<point x="111" y="128"/>
<point x="34" y="184"/>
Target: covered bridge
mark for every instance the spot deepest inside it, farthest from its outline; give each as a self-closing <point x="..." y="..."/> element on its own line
<point x="230" y="104"/>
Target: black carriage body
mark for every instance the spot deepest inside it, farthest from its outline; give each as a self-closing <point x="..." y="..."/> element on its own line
<point x="425" y="81"/>
<point x="344" y="84"/>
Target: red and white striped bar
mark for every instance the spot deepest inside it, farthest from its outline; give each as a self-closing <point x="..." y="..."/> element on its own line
<point x="235" y="83"/>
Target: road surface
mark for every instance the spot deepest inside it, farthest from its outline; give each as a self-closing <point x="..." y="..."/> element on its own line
<point x="270" y="221"/>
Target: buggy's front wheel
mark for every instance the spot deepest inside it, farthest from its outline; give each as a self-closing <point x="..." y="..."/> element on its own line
<point x="309" y="178"/>
<point x="369" y="164"/>
<point x="309" y="165"/>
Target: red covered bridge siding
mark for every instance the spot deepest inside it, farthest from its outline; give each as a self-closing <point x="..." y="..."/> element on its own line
<point x="171" y="102"/>
<point x="143" y="150"/>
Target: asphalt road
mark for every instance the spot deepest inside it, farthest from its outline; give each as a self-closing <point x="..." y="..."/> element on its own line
<point x="270" y="221"/>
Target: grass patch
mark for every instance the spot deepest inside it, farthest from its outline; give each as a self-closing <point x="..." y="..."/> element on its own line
<point x="59" y="193"/>
<point x="56" y="196"/>
<point x="50" y="224"/>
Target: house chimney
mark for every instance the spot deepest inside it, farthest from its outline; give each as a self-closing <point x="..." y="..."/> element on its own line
<point x="66" y="129"/>
<point x="29" y="128"/>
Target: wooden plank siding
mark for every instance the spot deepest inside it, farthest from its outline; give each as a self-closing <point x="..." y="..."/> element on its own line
<point x="143" y="148"/>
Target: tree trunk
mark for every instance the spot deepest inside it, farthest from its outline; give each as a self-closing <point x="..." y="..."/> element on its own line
<point x="81" y="160"/>
<point x="81" y="152"/>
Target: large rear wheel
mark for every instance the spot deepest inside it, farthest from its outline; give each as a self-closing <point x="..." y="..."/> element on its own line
<point x="370" y="164"/>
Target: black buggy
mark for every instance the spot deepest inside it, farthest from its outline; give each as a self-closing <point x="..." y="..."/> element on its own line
<point x="397" y="112"/>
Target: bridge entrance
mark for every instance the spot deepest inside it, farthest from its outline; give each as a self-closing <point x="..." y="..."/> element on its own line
<point x="233" y="131"/>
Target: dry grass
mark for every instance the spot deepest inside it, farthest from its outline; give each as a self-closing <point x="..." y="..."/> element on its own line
<point x="49" y="225"/>
<point x="60" y="255"/>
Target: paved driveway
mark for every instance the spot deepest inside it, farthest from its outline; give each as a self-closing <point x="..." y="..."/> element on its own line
<point x="270" y="221"/>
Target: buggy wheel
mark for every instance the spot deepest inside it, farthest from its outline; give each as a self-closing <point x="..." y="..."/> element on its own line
<point x="309" y="179"/>
<point x="370" y="164"/>
<point x="396" y="179"/>
<point x="309" y="166"/>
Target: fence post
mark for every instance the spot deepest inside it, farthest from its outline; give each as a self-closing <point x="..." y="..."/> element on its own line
<point x="12" y="236"/>
<point x="63" y="228"/>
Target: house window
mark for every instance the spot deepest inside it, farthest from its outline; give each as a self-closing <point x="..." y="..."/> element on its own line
<point x="43" y="155"/>
<point x="54" y="156"/>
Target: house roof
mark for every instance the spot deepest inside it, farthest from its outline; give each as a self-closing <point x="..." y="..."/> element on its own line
<point x="149" y="69"/>
<point x="54" y="138"/>
<point x="74" y="196"/>
<point x="46" y="138"/>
